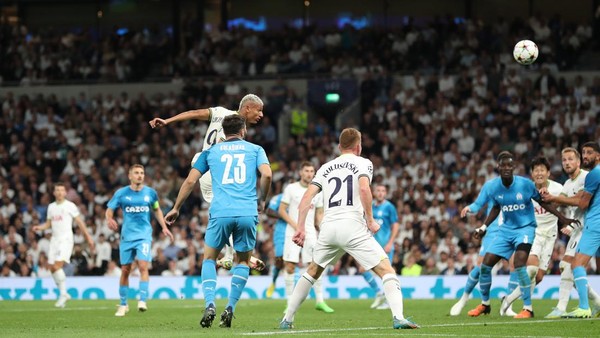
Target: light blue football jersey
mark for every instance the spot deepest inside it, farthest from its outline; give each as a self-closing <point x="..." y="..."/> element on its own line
<point x="591" y="185"/>
<point x="274" y="203"/>
<point x="137" y="207"/>
<point x="233" y="165"/>
<point x="386" y="215"/>
<point x="514" y="202"/>
<point x="482" y="199"/>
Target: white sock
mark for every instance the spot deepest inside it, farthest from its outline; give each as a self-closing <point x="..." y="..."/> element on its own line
<point x="593" y="296"/>
<point x="318" y="287"/>
<point x="464" y="298"/>
<point x="532" y="273"/>
<point x="289" y="285"/>
<point x="298" y="296"/>
<point x="60" y="278"/>
<point x="566" y="285"/>
<point x="228" y="254"/>
<point x="393" y="294"/>
<point x="514" y="295"/>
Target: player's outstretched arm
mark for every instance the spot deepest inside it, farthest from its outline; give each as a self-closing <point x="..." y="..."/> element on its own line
<point x="43" y="226"/>
<point x="563" y="199"/>
<point x="266" y="175"/>
<point x="184" y="191"/>
<point x="197" y="114"/>
<point x="561" y="218"/>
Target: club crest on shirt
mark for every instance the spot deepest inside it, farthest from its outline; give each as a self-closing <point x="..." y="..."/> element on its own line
<point x="519" y="196"/>
<point x="146" y="198"/>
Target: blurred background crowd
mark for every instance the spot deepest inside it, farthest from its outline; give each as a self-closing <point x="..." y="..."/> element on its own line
<point x="432" y="135"/>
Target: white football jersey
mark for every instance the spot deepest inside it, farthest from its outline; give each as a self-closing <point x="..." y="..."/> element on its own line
<point x="61" y="217"/>
<point x="570" y="189"/>
<point x="338" y="180"/>
<point x="214" y="132"/>
<point x="292" y="195"/>
<point x="547" y="222"/>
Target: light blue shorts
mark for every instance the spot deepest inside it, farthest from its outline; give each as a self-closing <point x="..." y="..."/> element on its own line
<point x="138" y="249"/>
<point x="506" y="241"/>
<point x="243" y="229"/>
<point x="589" y="244"/>
<point x="279" y="238"/>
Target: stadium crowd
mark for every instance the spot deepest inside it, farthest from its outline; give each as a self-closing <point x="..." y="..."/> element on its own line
<point x="446" y="44"/>
<point x="432" y="138"/>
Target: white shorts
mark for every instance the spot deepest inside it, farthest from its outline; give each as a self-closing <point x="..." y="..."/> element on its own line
<point x="206" y="186"/>
<point x="571" y="248"/>
<point x="292" y="252"/>
<point x="542" y="247"/>
<point x="60" y="250"/>
<point x="352" y="237"/>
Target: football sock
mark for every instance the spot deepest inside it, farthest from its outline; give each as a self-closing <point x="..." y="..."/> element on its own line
<point x="370" y="279"/>
<point x="532" y="271"/>
<point x="524" y="285"/>
<point x="275" y="274"/>
<point x="566" y="285"/>
<point x="228" y="254"/>
<point x="581" y="283"/>
<point x="289" y="284"/>
<point x="143" y="290"/>
<point x="485" y="283"/>
<point x="592" y="295"/>
<point x="393" y="294"/>
<point x="238" y="282"/>
<point x="472" y="281"/>
<point x="60" y="280"/>
<point x="209" y="281"/>
<point x="513" y="282"/>
<point x="123" y="291"/>
<point x="298" y="296"/>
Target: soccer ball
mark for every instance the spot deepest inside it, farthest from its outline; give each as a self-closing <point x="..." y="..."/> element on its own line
<point x="526" y="52"/>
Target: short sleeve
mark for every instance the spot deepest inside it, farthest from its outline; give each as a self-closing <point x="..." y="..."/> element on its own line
<point x="319" y="179"/>
<point x="481" y="200"/>
<point x="73" y="210"/>
<point x="154" y="202"/>
<point x="591" y="182"/>
<point x="202" y="163"/>
<point x="287" y="195"/>
<point x="261" y="157"/>
<point x="114" y="202"/>
<point x="274" y="203"/>
<point x="393" y="213"/>
<point x="365" y="169"/>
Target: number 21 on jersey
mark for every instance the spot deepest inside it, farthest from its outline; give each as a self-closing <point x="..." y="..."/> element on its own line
<point x="239" y="168"/>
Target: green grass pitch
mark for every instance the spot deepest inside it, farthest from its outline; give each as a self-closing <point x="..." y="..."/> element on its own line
<point x="179" y="318"/>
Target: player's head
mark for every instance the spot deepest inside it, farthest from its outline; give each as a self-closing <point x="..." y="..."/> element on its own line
<point x="590" y="152"/>
<point x="307" y="172"/>
<point x="136" y="174"/>
<point x="540" y="169"/>
<point x="570" y="160"/>
<point x="350" y="141"/>
<point x="380" y="192"/>
<point x="251" y="107"/>
<point x="506" y="164"/>
<point x="60" y="191"/>
<point x="234" y="125"/>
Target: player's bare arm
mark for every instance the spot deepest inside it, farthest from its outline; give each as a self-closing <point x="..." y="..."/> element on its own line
<point x="266" y="176"/>
<point x="197" y="114"/>
<point x="43" y="226"/>
<point x="480" y="232"/>
<point x="110" y="218"/>
<point x="161" y="220"/>
<point x="390" y="244"/>
<point x="561" y="218"/>
<point x="303" y="210"/>
<point x="562" y="199"/>
<point x="86" y="234"/>
<point x="186" y="188"/>
<point x="366" y="198"/>
<point x="465" y="211"/>
<point x="584" y="200"/>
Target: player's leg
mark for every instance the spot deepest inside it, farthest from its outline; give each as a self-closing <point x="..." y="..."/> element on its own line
<point x="277" y="267"/>
<point x="588" y="247"/>
<point x="291" y="258"/>
<point x="143" y="257"/>
<point x="307" y="257"/>
<point x="370" y="279"/>
<point x="60" y="253"/>
<point x="278" y="243"/>
<point x="215" y="238"/>
<point x="472" y="280"/>
<point x="126" y="256"/>
<point x="485" y="277"/>
<point x="566" y="285"/>
<point x="532" y="270"/>
<point x="244" y="241"/>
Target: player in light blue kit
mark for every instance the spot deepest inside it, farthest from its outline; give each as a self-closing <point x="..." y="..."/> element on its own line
<point x="136" y="201"/>
<point x="278" y="239"/>
<point x="234" y="165"/>
<point x="512" y="196"/>
<point x="492" y="229"/>
<point x="589" y="244"/>
<point x="386" y="215"/>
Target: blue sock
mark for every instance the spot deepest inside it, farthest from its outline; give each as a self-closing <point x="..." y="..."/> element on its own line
<point x="472" y="280"/>
<point x="209" y="281"/>
<point x="524" y="284"/>
<point x="238" y="282"/>
<point x="581" y="283"/>
<point x="368" y="276"/>
<point x="143" y="290"/>
<point x="485" y="282"/>
<point x="513" y="282"/>
<point x="123" y="291"/>
<point x="275" y="274"/>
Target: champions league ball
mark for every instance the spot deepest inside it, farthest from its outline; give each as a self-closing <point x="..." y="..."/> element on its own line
<point x="525" y="52"/>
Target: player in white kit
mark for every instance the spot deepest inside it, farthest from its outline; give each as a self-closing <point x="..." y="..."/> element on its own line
<point x="61" y="214"/>
<point x="572" y="189"/>
<point x="546" y="231"/>
<point x="288" y="211"/>
<point x="250" y="108"/>
<point x="347" y="226"/>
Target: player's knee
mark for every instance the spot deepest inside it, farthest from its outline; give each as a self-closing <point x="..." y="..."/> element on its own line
<point x="314" y="270"/>
<point x="564" y="266"/>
